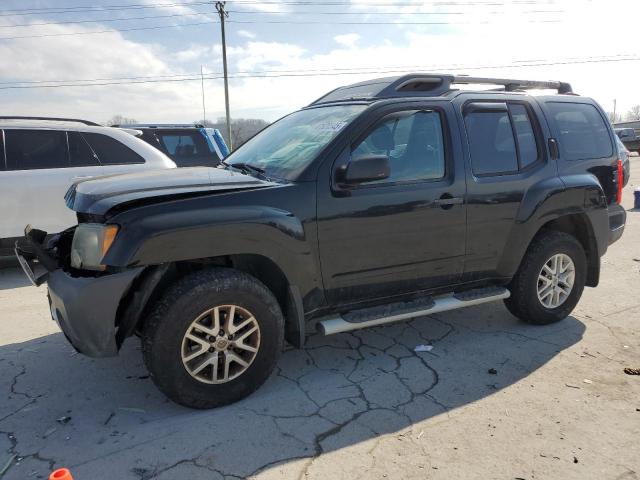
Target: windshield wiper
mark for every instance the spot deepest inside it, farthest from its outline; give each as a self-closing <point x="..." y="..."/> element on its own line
<point x="245" y="167"/>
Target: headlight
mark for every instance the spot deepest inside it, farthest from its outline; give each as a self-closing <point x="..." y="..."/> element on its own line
<point x="91" y="241"/>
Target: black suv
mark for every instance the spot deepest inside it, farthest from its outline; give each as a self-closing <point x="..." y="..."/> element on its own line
<point x="381" y="201"/>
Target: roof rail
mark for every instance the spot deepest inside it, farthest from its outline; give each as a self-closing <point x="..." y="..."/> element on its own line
<point x="52" y="119"/>
<point x="511" y="85"/>
<point x="429" y="85"/>
<point x="159" y="125"/>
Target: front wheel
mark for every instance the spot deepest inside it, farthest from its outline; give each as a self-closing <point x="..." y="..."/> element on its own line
<point x="550" y="280"/>
<point x="213" y="338"/>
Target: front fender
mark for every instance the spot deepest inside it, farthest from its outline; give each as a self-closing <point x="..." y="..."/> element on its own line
<point x="551" y="199"/>
<point x="163" y="235"/>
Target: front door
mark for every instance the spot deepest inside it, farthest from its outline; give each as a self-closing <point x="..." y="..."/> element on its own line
<point x="399" y="235"/>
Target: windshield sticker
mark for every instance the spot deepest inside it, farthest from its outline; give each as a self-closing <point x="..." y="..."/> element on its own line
<point x="332" y="126"/>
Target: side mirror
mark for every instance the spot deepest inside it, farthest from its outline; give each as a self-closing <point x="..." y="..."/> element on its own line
<point x="366" y="168"/>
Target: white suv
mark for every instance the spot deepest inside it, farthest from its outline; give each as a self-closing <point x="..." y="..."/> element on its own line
<point x="41" y="157"/>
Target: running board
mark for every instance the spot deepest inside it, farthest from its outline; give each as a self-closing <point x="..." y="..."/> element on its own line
<point x="372" y="317"/>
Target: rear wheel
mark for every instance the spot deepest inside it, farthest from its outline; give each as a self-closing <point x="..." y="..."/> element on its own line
<point x="550" y="280"/>
<point x="213" y="338"/>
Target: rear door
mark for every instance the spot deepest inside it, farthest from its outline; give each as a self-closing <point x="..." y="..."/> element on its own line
<point x="40" y="167"/>
<point x="506" y="156"/>
<point x="585" y="140"/>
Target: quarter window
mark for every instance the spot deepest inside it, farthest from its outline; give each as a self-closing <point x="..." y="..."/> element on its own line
<point x="36" y="149"/>
<point x="583" y="132"/>
<point x="80" y="153"/>
<point x="414" y="143"/>
<point x="111" y="151"/>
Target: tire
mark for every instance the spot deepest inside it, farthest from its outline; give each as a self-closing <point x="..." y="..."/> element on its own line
<point x="165" y="345"/>
<point x="524" y="301"/>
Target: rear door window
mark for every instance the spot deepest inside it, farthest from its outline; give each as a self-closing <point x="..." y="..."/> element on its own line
<point x="583" y="133"/>
<point x="36" y="149"/>
<point x="527" y="146"/>
<point x="80" y="153"/>
<point x="491" y="142"/>
<point x="110" y="151"/>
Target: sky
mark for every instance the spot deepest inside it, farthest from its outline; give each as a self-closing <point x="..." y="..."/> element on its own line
<point x="142" y="58"/>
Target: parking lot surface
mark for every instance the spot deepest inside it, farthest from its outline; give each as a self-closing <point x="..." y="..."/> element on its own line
<point x="494" y="398"/>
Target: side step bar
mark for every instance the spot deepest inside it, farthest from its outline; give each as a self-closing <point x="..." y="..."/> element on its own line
<point x="371" y="317"/>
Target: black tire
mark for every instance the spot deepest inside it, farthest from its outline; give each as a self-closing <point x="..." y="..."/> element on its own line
<point x="524" y="302"/>
<point x="182" y="303"/>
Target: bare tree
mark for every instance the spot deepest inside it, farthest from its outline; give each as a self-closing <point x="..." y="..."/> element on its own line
<point x="242" y="129"/>
<point x="120" y="120"/>
<point x="633" y="113"/>
<point x="614" y="118"/>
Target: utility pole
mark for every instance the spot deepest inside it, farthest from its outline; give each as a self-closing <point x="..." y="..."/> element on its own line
<point x="223" y="15"/>
<point x="204" y="109"/>
<point x="614" y="110"/>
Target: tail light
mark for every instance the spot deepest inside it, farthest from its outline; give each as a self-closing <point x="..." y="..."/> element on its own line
<point x="620" y="183"/>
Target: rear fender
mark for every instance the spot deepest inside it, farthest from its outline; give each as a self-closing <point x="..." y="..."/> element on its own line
<point x="549" y="200"/>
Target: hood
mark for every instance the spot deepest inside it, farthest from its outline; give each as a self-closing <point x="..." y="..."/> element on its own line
<point x="98" y="195"/>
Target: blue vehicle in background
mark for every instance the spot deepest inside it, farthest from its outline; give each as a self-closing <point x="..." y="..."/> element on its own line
<point x="188" y="145"/>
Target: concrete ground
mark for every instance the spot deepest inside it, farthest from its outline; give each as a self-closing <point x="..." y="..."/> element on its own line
<point x="495" y="398"/>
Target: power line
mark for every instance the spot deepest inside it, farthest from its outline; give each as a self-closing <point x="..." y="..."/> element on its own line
<point x="104" y="8"/>
<point x="244" y="12"/>
<point x="331" y="72"/>
<point x="281" y="22"/>
<point x="107" y="20"/>
<point x="113" y="30"/>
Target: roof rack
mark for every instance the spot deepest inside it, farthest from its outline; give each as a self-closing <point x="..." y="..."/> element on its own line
<point x="511" y="85"/>
<point x="429" y="85"/>
<point x="52" y="119"/>
<point x="159" y="125"/>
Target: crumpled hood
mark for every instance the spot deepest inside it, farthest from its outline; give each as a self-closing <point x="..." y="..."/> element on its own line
<point x="98" y="195"/>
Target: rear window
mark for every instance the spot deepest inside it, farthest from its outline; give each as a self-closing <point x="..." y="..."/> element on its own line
<point x="36" y="149"/>
<point x="583" y="131"/>
<point x="110" y="151"/>
<point x="184" y="145"/>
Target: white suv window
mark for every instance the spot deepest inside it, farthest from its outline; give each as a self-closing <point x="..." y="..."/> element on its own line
<point x="36" y="149"/>
<point x="110" y="151"/>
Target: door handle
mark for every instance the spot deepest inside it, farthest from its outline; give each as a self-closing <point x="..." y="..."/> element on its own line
<point x="447" y="201"/>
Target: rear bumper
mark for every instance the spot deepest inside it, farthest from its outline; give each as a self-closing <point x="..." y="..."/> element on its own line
<point x="85" y="308"/>
<point x="617" y="221"/>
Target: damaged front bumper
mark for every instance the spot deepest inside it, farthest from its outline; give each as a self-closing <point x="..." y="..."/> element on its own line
<point x="84" y="307"/>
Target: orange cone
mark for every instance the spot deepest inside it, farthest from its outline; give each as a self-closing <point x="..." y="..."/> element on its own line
<point x="61" y="474"/>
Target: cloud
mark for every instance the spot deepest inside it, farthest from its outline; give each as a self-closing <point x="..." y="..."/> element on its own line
<point x="473" y="48"/>
<point x="246" y="34"/>
<point x="347" y="39"/>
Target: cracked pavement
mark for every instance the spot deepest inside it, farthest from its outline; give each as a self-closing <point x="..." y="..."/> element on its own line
<point x="356" y="405"/>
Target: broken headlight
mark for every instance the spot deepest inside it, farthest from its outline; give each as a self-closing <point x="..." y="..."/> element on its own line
<point x="91" y="242"/>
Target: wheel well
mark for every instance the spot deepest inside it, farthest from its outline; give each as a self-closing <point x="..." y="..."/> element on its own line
<point x="262" y="268"/>
<point x="578" y="226"/>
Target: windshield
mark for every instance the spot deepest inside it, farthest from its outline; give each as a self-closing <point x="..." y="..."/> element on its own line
<point x="285" y="148"/>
